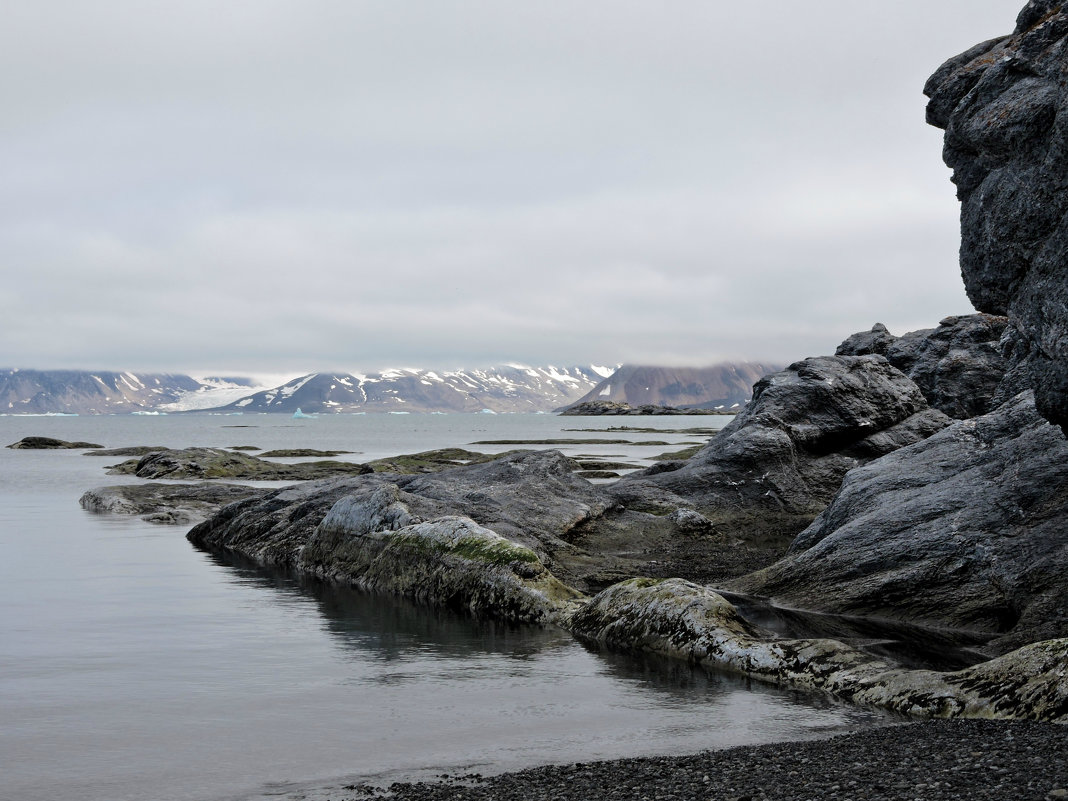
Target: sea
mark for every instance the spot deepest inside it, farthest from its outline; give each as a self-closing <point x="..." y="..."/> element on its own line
<point x="135" y="666"/>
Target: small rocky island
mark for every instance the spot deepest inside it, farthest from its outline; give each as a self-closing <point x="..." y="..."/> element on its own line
<point x="915" y="482"/>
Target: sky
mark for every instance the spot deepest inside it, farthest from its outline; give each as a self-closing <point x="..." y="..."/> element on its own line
<point x="282" y="186"/>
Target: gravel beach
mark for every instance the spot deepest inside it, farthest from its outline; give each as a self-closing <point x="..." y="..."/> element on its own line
<point x="929" y="761"/>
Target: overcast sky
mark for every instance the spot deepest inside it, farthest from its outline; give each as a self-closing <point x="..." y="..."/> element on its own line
<point x="286" y="186"/>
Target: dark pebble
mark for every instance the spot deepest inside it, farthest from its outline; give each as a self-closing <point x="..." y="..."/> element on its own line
<point x="932" y="760"/>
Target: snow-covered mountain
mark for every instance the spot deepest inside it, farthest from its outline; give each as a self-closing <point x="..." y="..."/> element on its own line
<point x="722" y="385"/>
<point x="100" y="392"/>
<point x="509" y="388"/>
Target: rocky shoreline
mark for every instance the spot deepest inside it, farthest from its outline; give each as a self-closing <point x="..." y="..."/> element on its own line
<point x="932" y="760"/>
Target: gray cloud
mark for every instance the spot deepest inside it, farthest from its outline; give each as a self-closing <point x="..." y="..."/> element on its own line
<point x="271" y="186"/>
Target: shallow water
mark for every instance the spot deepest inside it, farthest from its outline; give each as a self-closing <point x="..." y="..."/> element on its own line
<point x="135" y="666"/>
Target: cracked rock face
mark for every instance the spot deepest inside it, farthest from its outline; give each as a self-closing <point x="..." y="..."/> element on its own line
<point x="1004" y="107"/>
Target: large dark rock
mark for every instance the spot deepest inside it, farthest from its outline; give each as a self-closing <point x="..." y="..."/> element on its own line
<point x="1004" y="107"/>
<point x="966" y="529"/>
<point x="958" y="366"/>
<point x="777" y="464"/>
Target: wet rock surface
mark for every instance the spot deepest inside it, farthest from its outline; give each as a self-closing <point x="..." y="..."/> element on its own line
<point x="1004" y="106"/>
<point x="773" y="468"/>
<point x="966" y="529"/>
<point x="203" y="463"/>
<point x="931" y="760"/>
<point x="171" y="504"/>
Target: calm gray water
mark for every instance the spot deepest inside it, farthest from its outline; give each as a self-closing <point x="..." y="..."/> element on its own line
<point x="133" y="666"/>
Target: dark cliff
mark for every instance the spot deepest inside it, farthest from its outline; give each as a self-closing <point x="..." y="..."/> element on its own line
<point x="1004" y="107"/>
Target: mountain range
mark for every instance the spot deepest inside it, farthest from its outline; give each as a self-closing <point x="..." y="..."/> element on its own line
<point x="504" y="389"/>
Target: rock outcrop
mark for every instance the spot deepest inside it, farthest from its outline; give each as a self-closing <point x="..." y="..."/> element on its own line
<point x="531" y="498"/>
<point x="1004" y="107"/>
<point x="202" y="463"/>
<point x="773" y="468"/>
<point x="683" y="620"/>
<point x="966" y="529"/>
<point x="607" y="408"/>
<point x="171" y="504"/>
<point x="959" y="366"/>
<point x="49" y="444"/>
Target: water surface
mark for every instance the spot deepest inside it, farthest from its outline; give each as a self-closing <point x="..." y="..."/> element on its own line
<point x="134" y="666"/>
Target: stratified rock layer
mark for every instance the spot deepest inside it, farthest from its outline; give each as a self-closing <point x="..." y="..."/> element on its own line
<point x="1004" y="107"/>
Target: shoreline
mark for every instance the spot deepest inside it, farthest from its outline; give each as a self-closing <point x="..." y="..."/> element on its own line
<point x="929" y="760"/>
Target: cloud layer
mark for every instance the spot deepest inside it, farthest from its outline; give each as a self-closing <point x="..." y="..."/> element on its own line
<point x="277" y="186"/>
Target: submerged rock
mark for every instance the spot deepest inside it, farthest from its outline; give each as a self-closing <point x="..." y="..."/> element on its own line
<point x="680" y="619"/>
<point x="166" y="503"/>
<point x="1004" y="106"/>
<point x="201" y="463"/>
<point x="965" y="529"/>
<point x="769" y="472"/>
<point x="47" y="443"/>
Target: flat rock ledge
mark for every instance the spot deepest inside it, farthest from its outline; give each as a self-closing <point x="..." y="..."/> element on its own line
<point x="679" y="619"/>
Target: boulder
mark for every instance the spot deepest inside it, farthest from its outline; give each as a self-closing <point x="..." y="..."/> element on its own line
<point x="166" y="503"/>
<point x="966" y="529"/>
<point x="201" y="463"/>
<point x="1004" y="107"/>
<point x="769" y="472"/>
<point x="958" y="366"/>
<point x="682" y="620"/>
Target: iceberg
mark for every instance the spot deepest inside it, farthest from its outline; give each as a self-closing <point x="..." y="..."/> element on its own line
<point x="299" y="415"/>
